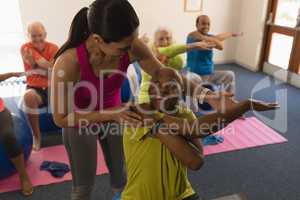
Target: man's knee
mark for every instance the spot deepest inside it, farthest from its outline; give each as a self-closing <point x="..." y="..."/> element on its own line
<point x="195" y="78"/>
<point x="32" y="99"/>
<point x="230" y="76"/>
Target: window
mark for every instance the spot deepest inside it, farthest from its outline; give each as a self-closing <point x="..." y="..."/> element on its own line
<point x="287" y="13"/>
<point x="11" y="37"/>
<point x="281" y="48"/>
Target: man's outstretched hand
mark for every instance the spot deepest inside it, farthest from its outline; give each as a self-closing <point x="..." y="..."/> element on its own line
<point x="222" y="102"/>
<point x="262" y="106"/>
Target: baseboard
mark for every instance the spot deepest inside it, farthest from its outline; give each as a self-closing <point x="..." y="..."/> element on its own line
<point x="295" y="80"/>
<point x="224" y="62"/>
<point x="282" y="75"/>
<point x="272" y="70"/>
<point x="246" y="66"/>
<point x="278" y="73"/>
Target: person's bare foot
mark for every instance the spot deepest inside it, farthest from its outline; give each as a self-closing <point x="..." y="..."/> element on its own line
<point x="26" y="186"/>
<point x="36" y="144"/>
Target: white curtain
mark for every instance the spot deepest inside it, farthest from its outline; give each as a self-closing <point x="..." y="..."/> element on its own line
<point x="298" y="19"/>
<point x="11" y="36"/>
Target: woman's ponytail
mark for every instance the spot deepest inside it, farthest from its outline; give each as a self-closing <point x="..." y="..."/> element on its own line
<point x="79" y="32"/>
<point x="113" y="20"/>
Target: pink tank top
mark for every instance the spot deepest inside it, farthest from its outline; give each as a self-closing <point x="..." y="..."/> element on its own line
<point x="93" y="93"/>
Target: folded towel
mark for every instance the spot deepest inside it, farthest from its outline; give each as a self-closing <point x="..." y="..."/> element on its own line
<point x="57" y="170"/>
<point x="213" y="140"/>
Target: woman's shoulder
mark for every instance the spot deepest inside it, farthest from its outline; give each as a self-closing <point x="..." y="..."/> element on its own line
<point x="68" y="62"/>
<point x="69" y="57"/>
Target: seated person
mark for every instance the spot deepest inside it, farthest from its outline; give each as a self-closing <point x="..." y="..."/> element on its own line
<point x="153" y="171"/>
<point x="7" y="138"/>
<point x="201" y="61"/>
<point x="157" y="156"/>
<point x="38" y="60"/>
<point x="169" y="54"/>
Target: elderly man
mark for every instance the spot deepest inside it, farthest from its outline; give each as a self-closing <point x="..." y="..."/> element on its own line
<point x="201" y="61"/>
<point x="38" y="59"/>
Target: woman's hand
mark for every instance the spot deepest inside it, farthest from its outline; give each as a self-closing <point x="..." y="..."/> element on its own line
<point x="125" y="116"/>
<point x="149" y="118"/>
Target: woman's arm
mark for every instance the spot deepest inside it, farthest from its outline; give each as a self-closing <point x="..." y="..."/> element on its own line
<point x="65" y="75"/>
<point x="172" y="51"/>
<point x="175" y="50"/>
<point x="151" y="65"/>
<point x="141" y="52"/>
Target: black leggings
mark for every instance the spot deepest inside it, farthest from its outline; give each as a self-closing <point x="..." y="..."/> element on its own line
<point x="81" y="145"/>
<point x="7" y="136"/>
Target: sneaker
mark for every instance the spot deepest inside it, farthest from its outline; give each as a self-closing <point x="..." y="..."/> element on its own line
<point x="117" y="196"/>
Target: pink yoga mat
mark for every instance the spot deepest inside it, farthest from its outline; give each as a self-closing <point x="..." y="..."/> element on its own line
<point x="240" y="134"/>
<point x="243" y="134"/>
<point x="39" y="178"/>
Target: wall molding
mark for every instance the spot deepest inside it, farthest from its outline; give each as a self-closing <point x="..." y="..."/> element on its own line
<point x="282" y="75"/>
<point x="272" y="70"/>
<point x="246" y="66"/>
<point x="233" y="61"/>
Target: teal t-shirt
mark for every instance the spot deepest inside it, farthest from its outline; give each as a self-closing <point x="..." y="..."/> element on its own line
<point x="200" y="61"/>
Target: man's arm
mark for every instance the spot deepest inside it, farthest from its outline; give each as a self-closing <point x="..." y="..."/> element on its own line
<point x="211" y="39"/>
<point x="227" y="35"/>
<point x="209" y="124"/>
<point x="41" y="61"/>
<point x="35" y="59"/>
<point x="188" y="154"/>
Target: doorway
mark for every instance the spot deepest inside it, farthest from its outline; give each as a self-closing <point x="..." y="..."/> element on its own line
<point x="282" y="36"/>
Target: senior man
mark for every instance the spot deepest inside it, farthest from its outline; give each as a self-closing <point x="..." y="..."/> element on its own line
<point x="38" y="57"/>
